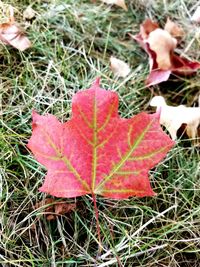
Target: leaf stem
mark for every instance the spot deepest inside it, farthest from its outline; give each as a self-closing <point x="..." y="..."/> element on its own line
<point x="97" y="219"/>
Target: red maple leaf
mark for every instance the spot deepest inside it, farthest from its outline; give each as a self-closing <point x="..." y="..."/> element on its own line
<point x="96" y="151"/>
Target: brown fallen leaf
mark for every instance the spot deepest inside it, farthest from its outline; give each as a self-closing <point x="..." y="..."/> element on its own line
<point x="146" y="27"/>
<point x="174" y="117"/>
<point x="120" y="3"/>
<point x="55" y="208"/>
<point x="160" y="45"/>
<point x="11" y="34"/>
<point x="62" y="208"/>
<point x="119" y="67"/>
<point x="173" y="28"/>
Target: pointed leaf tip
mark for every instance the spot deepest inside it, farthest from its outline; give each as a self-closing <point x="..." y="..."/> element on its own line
<point x="34" y="118"/>
<point x="96" y="83"/>
<point x="34" y="113"/>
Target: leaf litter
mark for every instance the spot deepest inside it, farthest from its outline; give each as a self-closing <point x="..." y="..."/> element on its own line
<point x="54" y="208"/>
<point x="160" y="45"/>
<point x="52" y="154"/>
<point x="174" y="117"/>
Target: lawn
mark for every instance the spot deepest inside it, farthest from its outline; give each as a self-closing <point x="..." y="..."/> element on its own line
<point x="72" y="42"/>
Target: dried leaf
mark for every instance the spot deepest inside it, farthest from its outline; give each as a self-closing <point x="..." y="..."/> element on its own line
<point x="158" y="76"/>
<point x="120" y="3"/>
<point x="183" y="66"/>
<point x="163" y="44"/>
<point x="45" y="202"/>
<point x="11" y="34"/>
<point x="63" y="208"/>
<point x="148" y="26"/>
<point x="55" y="208"/>
<point x="174" y="117"/>
<point x="160" y="45"/>
<point x="119" y="67"/>
<point x="96" y="151"/>
<point x="174" y="29"/>
<point x="196" y="16"/>
<point x="29" y="13"/>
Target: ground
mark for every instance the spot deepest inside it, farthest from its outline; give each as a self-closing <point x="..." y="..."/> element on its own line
<point x="72" y="42"/>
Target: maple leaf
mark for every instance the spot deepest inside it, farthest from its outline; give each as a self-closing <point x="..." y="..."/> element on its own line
<point x="159" y="45"/>
<point x="96" y="151"/>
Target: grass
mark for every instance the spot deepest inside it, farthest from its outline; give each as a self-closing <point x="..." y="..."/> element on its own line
<point x="72" y="43"/>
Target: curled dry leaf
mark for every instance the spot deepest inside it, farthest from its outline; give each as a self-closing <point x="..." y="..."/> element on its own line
<point x="11" y="34"/>
<point x="96" y="151"/>
<point x="160" y="44"/>
<point x="54" y="208"/>
<point x="147" y="27"/>
<point x="173" y="28"/>
<point x="163" y="44"/>
<point x="120" y="3"/>
<point x="119" y="67"/>
<point x="174" y="117"/>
